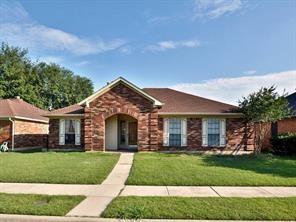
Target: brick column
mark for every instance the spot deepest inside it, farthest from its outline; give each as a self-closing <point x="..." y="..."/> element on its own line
<point x="87" y="129"/>
<point x="154" y="130"/>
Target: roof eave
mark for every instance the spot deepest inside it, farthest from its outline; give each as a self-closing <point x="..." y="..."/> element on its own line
<point x="24" y="118"/>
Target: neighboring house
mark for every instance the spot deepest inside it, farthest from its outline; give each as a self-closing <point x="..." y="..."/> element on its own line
<point x="123" y="116"/>
<point x="287" y="125"/>
<point x="22" y="124"/>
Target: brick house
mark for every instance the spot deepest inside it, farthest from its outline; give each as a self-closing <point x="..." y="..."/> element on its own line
<point x="287" y="125"/>
<point x="123" y="116"/>
<point x="22" y="124"/>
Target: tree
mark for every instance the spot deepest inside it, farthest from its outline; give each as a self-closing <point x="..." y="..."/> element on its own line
<point x="262" y="108"/>
<point x="15" y="72"/>
<point x="39" y="83"/>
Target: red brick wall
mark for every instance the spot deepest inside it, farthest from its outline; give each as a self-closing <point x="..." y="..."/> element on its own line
<point x="5" y="132"/>
<point x="287" y="125"/>
<point x="53" y="137"/>
<point x="121" y="100"/>
<point x="283" y="126"/>
<point x="30" y="134"/>
<point x="240" y="136"/>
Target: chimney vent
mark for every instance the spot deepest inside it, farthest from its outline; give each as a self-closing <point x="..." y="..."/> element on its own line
<point x="18" y="97"/>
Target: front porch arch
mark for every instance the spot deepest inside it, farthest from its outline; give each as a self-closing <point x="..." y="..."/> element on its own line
<point x="120" y="132"/>
<point x="115" y="111"/>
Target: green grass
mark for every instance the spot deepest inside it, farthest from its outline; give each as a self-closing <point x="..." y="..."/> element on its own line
<point x="219" y="170"/>
<point x="56" y="167"/>
<point x="37" y="204"/>
<point x="211" y="208"/>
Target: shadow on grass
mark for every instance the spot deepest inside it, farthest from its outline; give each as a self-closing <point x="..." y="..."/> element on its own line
<point x="263" y="164"/>
<point x="40" y="150"/>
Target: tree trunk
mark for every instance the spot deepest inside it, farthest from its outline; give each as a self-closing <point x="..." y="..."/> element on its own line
<point x="260" y="137"/>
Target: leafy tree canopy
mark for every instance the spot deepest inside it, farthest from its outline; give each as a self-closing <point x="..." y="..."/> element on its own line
<point x="265" y="105"/>
<point x="39" y="83"/>
<point x="262" y="108"/>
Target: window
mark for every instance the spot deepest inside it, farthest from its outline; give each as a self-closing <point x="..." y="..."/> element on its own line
<point x="175" y="130"/>
<point x="69" y="132"/>
<point x="213" y="132"/>
<point x="122" y="132"/>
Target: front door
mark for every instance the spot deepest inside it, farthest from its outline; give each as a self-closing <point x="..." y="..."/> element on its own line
<point x="132" y="133"/>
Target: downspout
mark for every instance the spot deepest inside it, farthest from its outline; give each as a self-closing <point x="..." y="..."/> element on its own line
<point x="12" y="133"/>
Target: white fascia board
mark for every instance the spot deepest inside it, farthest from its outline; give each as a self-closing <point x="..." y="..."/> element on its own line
<point x="23" y="118"/>
<point x="114" y="83"/>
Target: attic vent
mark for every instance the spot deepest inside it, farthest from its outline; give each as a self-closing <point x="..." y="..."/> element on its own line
<point x="18" y="97"/>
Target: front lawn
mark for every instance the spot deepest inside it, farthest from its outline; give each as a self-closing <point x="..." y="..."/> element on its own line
<point x="37" y="204"/>
<point x="218" y="170"/>
<point x="206" y="208"/>
<point x="56" y="167"/>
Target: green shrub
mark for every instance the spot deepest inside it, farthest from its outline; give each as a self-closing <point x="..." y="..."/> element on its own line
<point x="284" y="144"/>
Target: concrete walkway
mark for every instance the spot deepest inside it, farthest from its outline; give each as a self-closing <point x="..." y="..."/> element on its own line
<point x="98" y="199"/>
<point x="208" y="191"/>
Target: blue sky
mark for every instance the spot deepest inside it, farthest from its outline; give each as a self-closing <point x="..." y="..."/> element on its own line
<point x="221" y="49"/>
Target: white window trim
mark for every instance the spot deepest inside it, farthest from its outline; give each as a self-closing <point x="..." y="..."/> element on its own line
<point x="222" y="133"/>
<point x="166" y="134"/>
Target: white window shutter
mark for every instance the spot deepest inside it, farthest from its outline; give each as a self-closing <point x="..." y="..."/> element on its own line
<point x="204" y="132"/>
<point x="165" y="131"/>
<point x="62" y="132"/>
<point x="222" y="132"/>
<point x="77" y="132"/>
<point x="184" y="132"/>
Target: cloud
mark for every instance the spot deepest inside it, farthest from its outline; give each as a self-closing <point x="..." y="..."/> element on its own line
<point x="230" y="90"/>
<point x="50" y="59"/>
<point x="212" y="9"/>
<point x="18" y="28"/>
<point x="126" y="49"/>
<point x="250" y="72"/>
<point x="167" y="45"/>
<point x="83" y="63"/>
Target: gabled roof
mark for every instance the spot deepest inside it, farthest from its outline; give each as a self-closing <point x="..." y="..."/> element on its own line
<point x="109" y="86"/>
<point x="292" y="102"/>
<point x="176" y="102"/>
<point x="170" y="102"/>
<point x="73" y="110"/>
<point x="19" y="109"/>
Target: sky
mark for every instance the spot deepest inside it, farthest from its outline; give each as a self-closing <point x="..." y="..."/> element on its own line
<point x="219" y="49"/>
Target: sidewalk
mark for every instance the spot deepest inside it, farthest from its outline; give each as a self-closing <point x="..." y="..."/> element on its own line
<point x="98" y="199"/>
<point x="208" y="191"/>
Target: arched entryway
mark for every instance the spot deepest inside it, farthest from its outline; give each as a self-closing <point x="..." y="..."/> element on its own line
<point x="121" y="132"/>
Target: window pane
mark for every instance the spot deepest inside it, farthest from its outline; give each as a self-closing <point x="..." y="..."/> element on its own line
<point x="69" y="132"/>
<point x="175" y="139"/>
<point x="69" y="126"/>
<point x="175" y="132"/>
<point x="213" y="139"/>
<point x="213" y="132"/>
